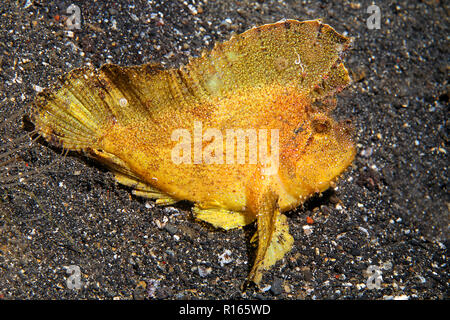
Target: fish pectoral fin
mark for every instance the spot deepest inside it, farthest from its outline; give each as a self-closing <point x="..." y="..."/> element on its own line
<point x="222" y="218"/>
<point x="274" y="240"/>
<point x="142" y="189"/>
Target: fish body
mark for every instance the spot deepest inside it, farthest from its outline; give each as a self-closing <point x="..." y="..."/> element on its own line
<point x="244" y="131"/>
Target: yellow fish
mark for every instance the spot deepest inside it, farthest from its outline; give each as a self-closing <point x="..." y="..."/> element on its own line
<point x="244" y="131"/>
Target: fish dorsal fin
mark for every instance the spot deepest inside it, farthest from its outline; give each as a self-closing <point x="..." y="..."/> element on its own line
<point x="287" y="53"/>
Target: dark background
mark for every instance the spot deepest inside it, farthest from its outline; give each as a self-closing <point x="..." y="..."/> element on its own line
<point x="390" y="210"/>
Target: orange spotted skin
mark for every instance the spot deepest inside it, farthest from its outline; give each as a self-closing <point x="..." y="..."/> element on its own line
<point x="281" y="77"/>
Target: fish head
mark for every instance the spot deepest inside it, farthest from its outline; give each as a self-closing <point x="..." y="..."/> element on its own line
<point x="327" y="150"/>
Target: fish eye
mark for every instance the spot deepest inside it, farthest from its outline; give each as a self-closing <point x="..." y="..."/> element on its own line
<point x="320" y="126"/>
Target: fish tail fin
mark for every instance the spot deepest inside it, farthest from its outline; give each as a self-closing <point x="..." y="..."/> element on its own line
<point x="84" y="104"/>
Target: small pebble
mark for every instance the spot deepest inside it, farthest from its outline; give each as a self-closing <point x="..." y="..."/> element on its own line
<point x="171" y="228"/>
<point x="308" y="230"/>
<point x="276" y="287"/>
<point x="225" y="258"/>
<point x="204" y="271"/>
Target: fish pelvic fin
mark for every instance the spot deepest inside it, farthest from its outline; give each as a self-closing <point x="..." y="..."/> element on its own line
<point x="274" y="240"/>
